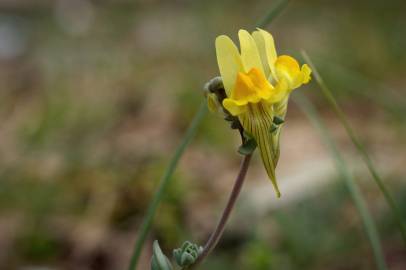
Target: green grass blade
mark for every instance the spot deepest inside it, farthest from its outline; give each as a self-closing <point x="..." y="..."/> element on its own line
<point x="362" y="85"/>
<point x="274" y="12"/>
<point x="342" y="168"/>
<point x="358" y="145"/>
<point x="165" y="180"/>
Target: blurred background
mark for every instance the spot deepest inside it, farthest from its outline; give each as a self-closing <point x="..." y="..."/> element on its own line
<point x="96" y="95"/>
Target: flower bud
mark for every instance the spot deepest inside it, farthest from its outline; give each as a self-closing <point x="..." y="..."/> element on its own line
<point x="187" y="254"/>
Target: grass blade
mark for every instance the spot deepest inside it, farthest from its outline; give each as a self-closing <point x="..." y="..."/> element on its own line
<point x="363" y="85"/>
<point x="342" y="168"/>
<point x="358" y="145"/>
<point x="274" y="11"/>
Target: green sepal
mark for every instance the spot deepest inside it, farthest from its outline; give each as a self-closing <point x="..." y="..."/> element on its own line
<point x="159" y="261"/>
<point x="249" y="145"/>
<point x="278" y="120"/>
<point x="273" y="128"/>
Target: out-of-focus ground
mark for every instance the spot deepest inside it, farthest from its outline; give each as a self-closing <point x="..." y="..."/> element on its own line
<point x="95" y="97"/>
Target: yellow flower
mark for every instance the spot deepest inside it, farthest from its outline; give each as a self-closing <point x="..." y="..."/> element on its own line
<point x="257" y="84"/>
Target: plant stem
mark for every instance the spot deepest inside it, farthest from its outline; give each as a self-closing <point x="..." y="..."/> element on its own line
<point x="358" y="145"/>
<point x="216" y="235"/>
<point x="164" y="183"/>
<point x="342" y="168"/>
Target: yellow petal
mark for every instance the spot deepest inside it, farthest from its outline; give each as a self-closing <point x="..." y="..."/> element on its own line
<point x="306" y="70"/>
<point x="262" y="87"/>
<point x="288" y="62"/>
<point x="259" y="40"/>
<point x="258" y="121"/>
<point x="234" y="107"/>
<point x="249" y="52"/>
<point x="301" y="77"/>
<point x="243" y="88"/>
<point x="258" y="79"/>
<point x="287" y="68"/>
<point x="270" y="50"/>
<point x="229" y="62"/>
<point x="253" y="87"/>
<point x="279" y="93"/>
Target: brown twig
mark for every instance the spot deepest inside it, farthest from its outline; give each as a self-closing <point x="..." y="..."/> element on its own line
<point x="217" y="233"/>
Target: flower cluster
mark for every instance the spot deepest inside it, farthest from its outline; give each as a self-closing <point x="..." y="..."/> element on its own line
<point x="257" y="84"/>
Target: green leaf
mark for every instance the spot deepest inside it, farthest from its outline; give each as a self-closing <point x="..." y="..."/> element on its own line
<point x="278" y="120"/>
<point x="273" y="128"/>
<point x="159" y="261"/>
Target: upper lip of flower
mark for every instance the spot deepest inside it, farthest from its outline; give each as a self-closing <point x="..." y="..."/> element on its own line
<point x="246" y="75"/>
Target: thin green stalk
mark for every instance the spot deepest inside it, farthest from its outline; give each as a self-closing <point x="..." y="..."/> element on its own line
<point x="342" y="168"/>
<point x="164" y="184"/>
<point x="358" y="145"/>
<point x="274" y="11"/>
<point x="362" y="85"/>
